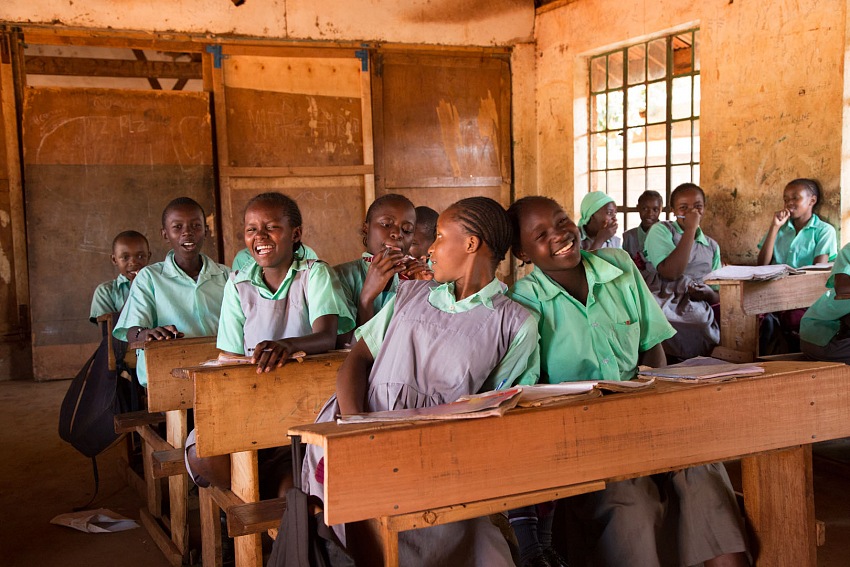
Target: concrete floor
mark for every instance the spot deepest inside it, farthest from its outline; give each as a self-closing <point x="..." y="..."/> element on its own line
<point x="42" y="476"/>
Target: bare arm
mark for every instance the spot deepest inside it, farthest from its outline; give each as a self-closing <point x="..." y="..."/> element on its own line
<point x="353" y="379"/>
<point x="654" y="357"/>
<point x="274" y="354"/>
<point x="674" y="265"/>
<point x="766" y="252"/>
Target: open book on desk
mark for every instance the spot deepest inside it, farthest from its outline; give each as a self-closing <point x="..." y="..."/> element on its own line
<point x="751" y="273"/>
<point x="701" y="369"/>
<point x="225" y="359"/>
<point x="549" y="394"/>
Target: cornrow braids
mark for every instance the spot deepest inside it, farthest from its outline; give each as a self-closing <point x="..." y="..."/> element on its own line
<point x="485" y="218"/>
<point x="515" y="212"/>
<point x="181" y="202"/>
<point x="289" y="208"/>
<point x="388" y="198"/>
<point x="810" y="185"/>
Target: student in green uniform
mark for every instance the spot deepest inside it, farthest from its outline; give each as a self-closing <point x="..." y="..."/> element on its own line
<point x="598" y="320"/>
<point x="243" y="258"/>
<point x="180" y="296"/>
<point x="130" y="253"/>
<point x="825" y="328"/>
<point x="598" y="222"/>
<point x="279" y="304"/>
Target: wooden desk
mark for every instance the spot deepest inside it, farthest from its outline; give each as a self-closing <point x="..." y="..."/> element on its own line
<point x="174" y="397"/>
<point x="238" y="412"/>
<point x="741" y="302"/>
<point x="768" y="421"/>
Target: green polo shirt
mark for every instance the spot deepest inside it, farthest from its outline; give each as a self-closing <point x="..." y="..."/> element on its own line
<point x="162" y="294"/>
<point x="822" y="320"/>
<point x="243" y="257"/>
<point x="323" y="290"/>
<point x="659" y="244"/>
<point x="521" y="362"/>
<point x="800" y="249"/>
<point x="353" y="274"/>
<point x="109" y="297"/>
<point x="600" y="340"/>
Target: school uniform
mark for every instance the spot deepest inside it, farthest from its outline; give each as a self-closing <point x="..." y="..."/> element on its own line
<point x="243" y="258"/>
<point x="162" y="294"/>
<point x="109" y="297"/>
<point x="633" y="243"/>
<point x="252" y="313"/>
<point x="697" y="329"/>
<point x="430" y="349"/>
<point x="821" y="333"/>
<point x="800" y="249"/>
<point x="625" y="523"/>
<point x="353" y="274"/>
<point x="613" y="242"/>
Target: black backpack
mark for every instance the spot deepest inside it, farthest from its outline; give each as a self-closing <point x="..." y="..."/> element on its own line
<point x="95" y="396"/>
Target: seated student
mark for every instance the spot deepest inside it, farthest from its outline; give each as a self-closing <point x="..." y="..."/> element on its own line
<point x="678" y="255"/>
<point x="278" y="305"/>
<point x="598" y="222"/>
<point x="649" y="205"/>
<point x="825" y="327"/>
<point x="244" y="257"/>
<point x="180" y="296"/>
<point x="424" y="233"/>
<point x="371" y="281"/>
<point x="424" y="348"/>
<point x="598" y="321"/>
<point x="130" y="253"/>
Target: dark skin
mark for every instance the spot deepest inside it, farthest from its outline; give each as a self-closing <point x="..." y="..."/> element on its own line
<point x="456" y="257"/>
<point x="688" y="207"/>
<point x="798" y="210"/>
<point x="602" y="226"/>
<point x="549" y="239"/>
<point x="184" y="230"/>
<point x="649" y="210"/>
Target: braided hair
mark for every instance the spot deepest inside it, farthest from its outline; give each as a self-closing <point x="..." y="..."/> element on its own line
<point x="485" y="218"/>
<point x="289" y="208"/>
<point x="515" y="212"/>
<point x="181" y="202"/>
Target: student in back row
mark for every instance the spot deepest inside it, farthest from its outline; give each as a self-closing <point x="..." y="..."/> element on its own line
<point x="598" y="222"/>
<point x="180" y="296"/>
<point x="130" y="253"/>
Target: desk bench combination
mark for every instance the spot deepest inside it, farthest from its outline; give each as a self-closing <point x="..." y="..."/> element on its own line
<point x="437" y="472"/>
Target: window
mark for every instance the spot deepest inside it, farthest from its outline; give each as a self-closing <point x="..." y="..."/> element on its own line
<point x="644" y="120"/>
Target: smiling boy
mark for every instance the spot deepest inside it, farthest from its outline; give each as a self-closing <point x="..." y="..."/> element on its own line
<point x="130" y="253"/>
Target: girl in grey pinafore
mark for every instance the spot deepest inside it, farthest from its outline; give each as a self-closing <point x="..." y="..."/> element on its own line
<point x="432" y="357"/>
<point x="697" y="330"/>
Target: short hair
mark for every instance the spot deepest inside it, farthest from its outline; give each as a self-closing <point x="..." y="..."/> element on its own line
<point x="427" y="217"/>
<point x="287" y="205"/>
<point x="516" y="210"/>
<point x="809" y="185"/>
<point x="388" y="198"/>
<point x="130" y="235"/>
<point x="650" y="194"/>
<point x="181" y="202"/>
<point x="682" y="188"/>
<point x="485" y="218"/>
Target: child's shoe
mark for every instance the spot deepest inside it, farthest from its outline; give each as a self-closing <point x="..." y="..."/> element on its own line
<point x="554" y="558"/>
<point x="537" y="560"/>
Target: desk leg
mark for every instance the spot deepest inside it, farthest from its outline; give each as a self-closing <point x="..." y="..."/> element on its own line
<point x="176" y="423"/>
<point x="779" y="502"/>
<point x="152" y="484"/>
<point x="245" y="483"/>
<point x="739" y="332"/>
<point x="210" y="529"/>
<point x="372" y="543"/>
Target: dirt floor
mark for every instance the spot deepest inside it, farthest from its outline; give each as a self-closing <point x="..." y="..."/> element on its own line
<point x="42" y="476"/>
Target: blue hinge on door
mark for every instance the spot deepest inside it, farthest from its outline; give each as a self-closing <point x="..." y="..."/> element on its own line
<point x="363" y="55"/>
<point x="217" y="55"/>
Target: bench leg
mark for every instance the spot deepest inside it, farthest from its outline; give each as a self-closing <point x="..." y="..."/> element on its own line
<point x="178" y="486"/>
<point x="244" y="482"/>
<point x="152" y="484"/>
<point x="779" y="502"/>
<point x="210" y="529"/>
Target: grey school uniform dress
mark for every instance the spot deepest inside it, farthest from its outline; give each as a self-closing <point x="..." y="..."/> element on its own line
<point x="431" y="357"/>
<point x="697" y="330"/>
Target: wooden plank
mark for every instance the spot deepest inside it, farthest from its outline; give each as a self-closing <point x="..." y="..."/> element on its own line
<point x="210" y="528"/>
<point x="172" y="555"/>
<point x="265" y="405"/>
<point x="778" y="498"/>
<point x="131" y="421"/>
<point x="245" y="484"/>
<point x="318" y="171"/>
<point x="368" y="138"/>
<point x="738" y="330"/>
<point x="255" y="517"/>
<point x="176" y="423"/>
<point x="168" y="463"/>
<point x="153" y="488"/>
<point x="152" y="438"/>
<point x="90" y="67"/>
<point x="165" y="392"/>
<point x="792" y="292"/>
<point x="601" y="439"/>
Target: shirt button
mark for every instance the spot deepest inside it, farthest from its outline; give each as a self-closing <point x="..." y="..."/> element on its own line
<point x="594" y="324"/>
<point x="452" y="308"/>
<point x="604" y="361"/>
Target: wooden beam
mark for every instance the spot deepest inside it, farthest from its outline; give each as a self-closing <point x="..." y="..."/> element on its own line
<point x="90" y="67"/>
<point x="152" y="80"/>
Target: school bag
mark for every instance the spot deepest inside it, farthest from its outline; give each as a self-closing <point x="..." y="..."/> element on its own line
<point x="94" y="397"/>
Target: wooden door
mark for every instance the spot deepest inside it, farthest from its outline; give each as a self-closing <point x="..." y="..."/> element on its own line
<point x="296" y="121"/>
<point x="97" y="162"/>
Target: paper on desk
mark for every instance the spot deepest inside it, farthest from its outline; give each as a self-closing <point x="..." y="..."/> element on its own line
<point x="751" y="273"/>
<point x="225" y="359"/>
<point x="547" y="394"/>
<point x="817" y="267"/>
<point x="100" y="521"/>
<point x="702" y="368"/>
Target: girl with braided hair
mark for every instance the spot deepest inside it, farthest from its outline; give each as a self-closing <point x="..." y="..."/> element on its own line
<point x="424" y="348"/>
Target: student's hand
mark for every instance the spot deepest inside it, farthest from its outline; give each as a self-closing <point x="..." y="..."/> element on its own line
<point x="781" y="217"/>
<point x="166" y="333"/>
<point x="417" y="269"/>
<point x="701" y="292"/>
<point x="608" y="230"/>
<point x="690" y="220"/>
<point x="385" y="264"/>
<point x="269" y="355"/>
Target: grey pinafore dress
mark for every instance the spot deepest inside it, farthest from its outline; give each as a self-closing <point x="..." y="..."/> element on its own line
<point x="431" y="357"/>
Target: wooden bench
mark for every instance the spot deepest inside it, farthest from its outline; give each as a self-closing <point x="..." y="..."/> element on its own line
<point x="264" y="406"/>
<point x="437" y="468"/>
<point x="741" y="302"/>
<point x="163" y="457"/>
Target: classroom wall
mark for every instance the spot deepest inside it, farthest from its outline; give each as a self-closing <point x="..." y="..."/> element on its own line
<point x="772" y="92"/>
<point x="449" y="22"/>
